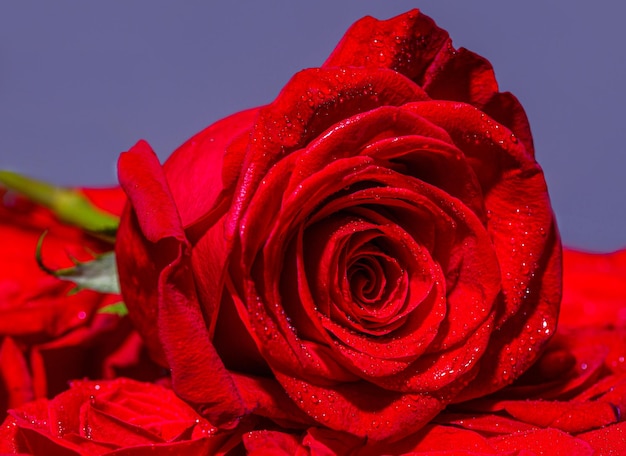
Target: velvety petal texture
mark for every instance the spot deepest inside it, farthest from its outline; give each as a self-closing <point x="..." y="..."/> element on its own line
<point x="371" y="246"/>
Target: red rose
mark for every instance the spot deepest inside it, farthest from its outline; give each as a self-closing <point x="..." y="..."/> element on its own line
<point x="47" y="335"/>
<point x="117" y="417"/>
<point x="594" y="288"/>
<point x="378" y="240"/>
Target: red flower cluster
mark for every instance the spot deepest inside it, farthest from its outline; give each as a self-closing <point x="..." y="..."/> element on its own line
<point x="367" y="265"/>
<point x="48" y="335"/>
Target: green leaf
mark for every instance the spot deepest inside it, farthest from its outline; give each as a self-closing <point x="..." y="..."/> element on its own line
<point x="69" y="205"/>
<point x="99" y="274"/>
<point x="117" y="308"/>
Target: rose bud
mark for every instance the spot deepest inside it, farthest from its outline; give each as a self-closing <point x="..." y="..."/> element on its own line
<point x="376" y="243"/>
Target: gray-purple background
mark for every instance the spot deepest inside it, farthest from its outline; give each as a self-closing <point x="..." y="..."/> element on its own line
<point x="82" y="81"/>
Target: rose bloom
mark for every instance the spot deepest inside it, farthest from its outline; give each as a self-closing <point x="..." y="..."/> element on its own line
<point x="115" y="417"/>
<point x="376" y="243"/>
<point x="49" y="336"/>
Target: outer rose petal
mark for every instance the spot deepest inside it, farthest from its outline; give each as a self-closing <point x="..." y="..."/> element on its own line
<point x="180" y="320"/>
<point x="434" y="438"/>
<point x="207" y="156"/>
<point x="608" y="440"/>
<point x="571" y="417"/>
<point x="204" y="150"/>
<point x="543" y="441"/>
<point x="485" y="424"/>
<point x="15" y="378"/>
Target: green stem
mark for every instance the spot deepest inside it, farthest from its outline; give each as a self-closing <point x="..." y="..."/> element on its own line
<point x="69" y="205"/>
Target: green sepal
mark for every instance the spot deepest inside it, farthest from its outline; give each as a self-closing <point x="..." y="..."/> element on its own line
<point x="117" y="308"/>
<point x="99" y="274"/>
<point x="69" y="205"/>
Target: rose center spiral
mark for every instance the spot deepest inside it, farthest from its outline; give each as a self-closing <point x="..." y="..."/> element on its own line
<point x="366" y="277"/>
<point x="372" y="280"/>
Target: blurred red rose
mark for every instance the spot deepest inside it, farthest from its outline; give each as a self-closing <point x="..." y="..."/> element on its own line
<point x="378" y="240"/>
<point x="594" y="288"/>
<point x="47" y="335"/>
<point x="116" y="417"/>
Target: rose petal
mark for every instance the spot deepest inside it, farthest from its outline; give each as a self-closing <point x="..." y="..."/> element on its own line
<point x="179" y="318"/>
<point x="460" y="75"/>
<point x="277" y="443"/>
<point x="542" y="441"/>
<point x="202" y="158"/>
<point x="608" y="440"/>
<point x="363" y="410"/>
<point x="570" y="364"/>
<point x="14" y="376"/>
<point x="572" y="417"/>
<point x="436" y="438"/>
<point x="406" y="43"/>
<point x="483" y="423"/>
